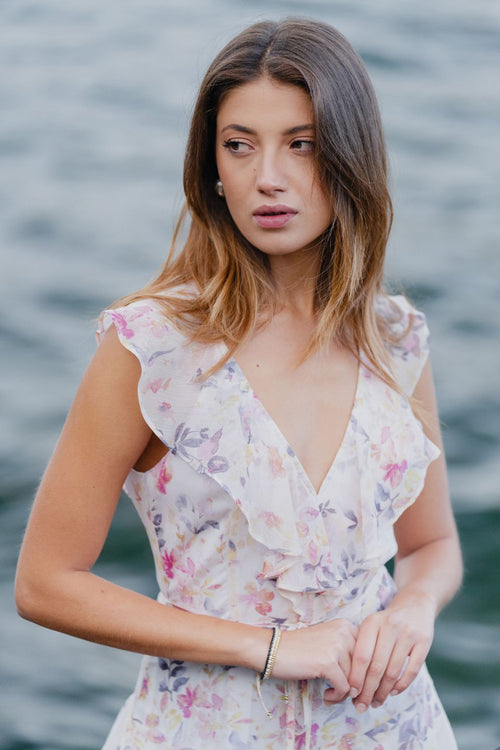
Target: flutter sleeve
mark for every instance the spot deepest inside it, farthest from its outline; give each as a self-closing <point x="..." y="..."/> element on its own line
<point x="410" y="350"/>
<point x="145" y="331"/>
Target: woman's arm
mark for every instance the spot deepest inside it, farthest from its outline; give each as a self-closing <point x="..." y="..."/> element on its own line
<point x="103" y="437"/>
<point x="428" y="571"/>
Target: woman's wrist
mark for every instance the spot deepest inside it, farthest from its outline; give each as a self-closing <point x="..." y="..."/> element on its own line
<point x="251" y="648"/>
<point x="414" y="595"/>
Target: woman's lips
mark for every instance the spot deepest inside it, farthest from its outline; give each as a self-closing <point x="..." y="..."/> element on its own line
<point x="273" y="217"/>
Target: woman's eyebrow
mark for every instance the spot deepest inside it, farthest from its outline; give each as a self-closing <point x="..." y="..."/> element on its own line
<point x="289" y="131"/>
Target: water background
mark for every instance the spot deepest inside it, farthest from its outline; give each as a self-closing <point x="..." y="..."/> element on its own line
<point x="94" y="104"/>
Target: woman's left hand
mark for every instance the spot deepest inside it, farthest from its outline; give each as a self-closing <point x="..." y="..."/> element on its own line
<point x="390" y="649"/>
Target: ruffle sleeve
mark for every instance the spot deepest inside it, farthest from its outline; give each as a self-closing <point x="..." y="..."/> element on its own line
<point x="410" y="351"/>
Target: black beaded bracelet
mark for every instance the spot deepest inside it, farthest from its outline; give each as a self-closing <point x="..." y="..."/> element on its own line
<point x="271" y="655"/>
<point x="268" y="666"/>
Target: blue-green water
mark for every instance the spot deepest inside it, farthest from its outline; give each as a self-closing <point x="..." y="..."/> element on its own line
<point x="94" y="102"/>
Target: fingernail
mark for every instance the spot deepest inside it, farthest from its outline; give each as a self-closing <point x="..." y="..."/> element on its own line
<point x="376" y="704"/>
<point x="354" y="692"/>
<point x="360" y="707"/>
<point x="394" y="692"/>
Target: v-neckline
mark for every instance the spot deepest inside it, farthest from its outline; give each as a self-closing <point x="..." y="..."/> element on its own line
<point x="245" y="385"/>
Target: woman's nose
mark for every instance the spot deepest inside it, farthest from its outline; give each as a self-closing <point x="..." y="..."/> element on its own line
<point x="270" y="173"/>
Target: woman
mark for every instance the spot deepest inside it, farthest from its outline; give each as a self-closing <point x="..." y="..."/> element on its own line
<point x="259" y="399"/>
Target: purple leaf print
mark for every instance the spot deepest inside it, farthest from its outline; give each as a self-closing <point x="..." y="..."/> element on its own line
<point x="352" y="517"/>
<point x="155" y="355"/>
<point x="342" y="573"/>
<point x="382" y="497"/>
<point x="179" y="682"/>
<point x="325" y="508"/>
<point x="178" y="432"/>
<point x="385" y="727"/>
<point x="192" y="442"/>
<point x="181" y="502"/>
<point x="217" y="464"/>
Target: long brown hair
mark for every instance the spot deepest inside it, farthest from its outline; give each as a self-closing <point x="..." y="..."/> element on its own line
<point x="231" y="278"/>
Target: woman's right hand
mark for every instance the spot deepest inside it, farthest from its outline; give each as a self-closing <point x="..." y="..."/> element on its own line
<point x="319" y="651"/>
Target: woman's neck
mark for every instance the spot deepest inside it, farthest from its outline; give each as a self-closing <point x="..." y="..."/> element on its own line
<point x="294" y="277"/>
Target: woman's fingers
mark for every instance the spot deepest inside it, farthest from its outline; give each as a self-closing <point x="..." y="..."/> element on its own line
<point x="340" y="687"/>
<point x="362" y="655"/>
<point x="415" y="663"/>
<point x="387" y="657"/>
<point x="393" y="671"/>
<point x="376" y="668"/>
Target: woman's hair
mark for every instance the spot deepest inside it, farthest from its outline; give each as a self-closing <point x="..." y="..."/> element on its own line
<point x="230" y="277"/>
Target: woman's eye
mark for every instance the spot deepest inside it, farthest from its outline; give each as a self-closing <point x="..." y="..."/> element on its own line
<point x="237" y="147"/>
<point x="303" y="146"/>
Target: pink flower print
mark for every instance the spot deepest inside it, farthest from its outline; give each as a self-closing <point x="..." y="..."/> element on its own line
<point x="346" y="742"/>
<point x="384" y="449"/>
<point x="259" y="598"/>
<point x="385" y="434"/>
<point x="209" y="446"/>
<point x="263" y="607"/>
<point x="160" y="384"/>
<point x="121" y="325"/>
<point x="188" y="567"/>
<point x="300" y="740"/>
<point x="275" y="462"/>
<point x="302" y="529"/>
<point x="189" y="699"/>
<point x="168" y="561"/>
<point x="309" y="513"/>
<point x="152" y="721"/>
<point x="163" y="478"/>
<point x="144" y="689"/>
<point x="157" y="329"/>
<point x="217" y="702"/>
<point x="394" y="473"/>
<point x="412" y="344"/>
<point x="272" y="521"/>
<point x="164" y="407"/>
<point x="313" y="553"/>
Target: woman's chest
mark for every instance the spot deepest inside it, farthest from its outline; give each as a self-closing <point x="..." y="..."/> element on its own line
<point x="309" y="402"/>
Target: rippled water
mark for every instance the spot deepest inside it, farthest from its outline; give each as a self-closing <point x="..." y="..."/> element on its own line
<point x="94" y="102"/>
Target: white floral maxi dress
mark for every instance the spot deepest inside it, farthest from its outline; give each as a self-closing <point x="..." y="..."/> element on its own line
<point x="238" y="532"/>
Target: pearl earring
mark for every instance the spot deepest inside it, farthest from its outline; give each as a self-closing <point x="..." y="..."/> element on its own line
<point x="219" y="188"/>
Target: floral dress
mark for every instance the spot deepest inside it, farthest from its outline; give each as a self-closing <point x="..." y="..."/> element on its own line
<point x="238" y="531"/>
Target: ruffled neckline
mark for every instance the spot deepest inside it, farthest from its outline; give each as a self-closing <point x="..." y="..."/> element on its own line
<point x="285" y="447"/>
<point x="220" y="428"/>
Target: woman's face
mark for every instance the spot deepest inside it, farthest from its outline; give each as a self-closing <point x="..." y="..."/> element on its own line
<point x="265" y="159"/>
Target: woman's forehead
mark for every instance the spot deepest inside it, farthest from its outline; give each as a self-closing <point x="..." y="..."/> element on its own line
<point x="266" y="103"/>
